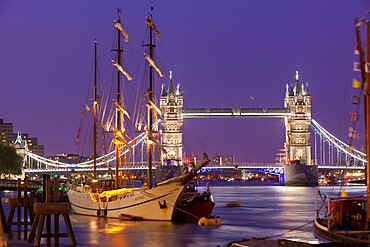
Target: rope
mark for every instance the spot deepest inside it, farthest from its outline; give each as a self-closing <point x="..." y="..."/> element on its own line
<point x="273" y="236"/>
<point x="197" y="136"/>
<point x="153" y="197"/>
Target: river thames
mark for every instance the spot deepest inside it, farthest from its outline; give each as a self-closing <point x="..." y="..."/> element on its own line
<point x="265" y="211"/>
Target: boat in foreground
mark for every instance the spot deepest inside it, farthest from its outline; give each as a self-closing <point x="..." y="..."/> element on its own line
<point x="193" y="205"/>
<point x="346" y="219"/>
<point x="149" y="202"/>
<point x="157" y="203"/>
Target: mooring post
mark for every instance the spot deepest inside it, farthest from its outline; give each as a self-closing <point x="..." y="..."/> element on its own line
<point x="19" y="205"/>
<point x="3" y="227"/>
<point x="25" y="206"/>
<point x="48" y="216"/>
<point x="56" y="216"/>
<point x="2" y="215"/>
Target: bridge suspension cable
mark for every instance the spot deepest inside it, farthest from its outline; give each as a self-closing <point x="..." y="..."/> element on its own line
<point x="336" y="144"/>
<point x="109" y="157"/>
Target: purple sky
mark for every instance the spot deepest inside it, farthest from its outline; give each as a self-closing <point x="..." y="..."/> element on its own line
<point x="230" y="49"/>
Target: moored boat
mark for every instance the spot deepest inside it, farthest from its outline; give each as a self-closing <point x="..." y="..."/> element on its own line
<point x="346" y="219"/>
<point x="193" y="205"/>
<point x="148" y="202"/>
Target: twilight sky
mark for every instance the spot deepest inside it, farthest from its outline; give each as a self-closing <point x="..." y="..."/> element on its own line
<point x="222" y="52"/>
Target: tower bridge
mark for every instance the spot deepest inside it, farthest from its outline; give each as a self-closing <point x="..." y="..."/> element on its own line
<point x="296" y="112"/>
<point x="298" y="166"/>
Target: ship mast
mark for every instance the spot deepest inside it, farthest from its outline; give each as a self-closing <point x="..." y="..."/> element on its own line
<point x="365" y="78"/>
<point x="118" y="112"/>
<point x="150" y="108"/>
<point x="95" y="107"/>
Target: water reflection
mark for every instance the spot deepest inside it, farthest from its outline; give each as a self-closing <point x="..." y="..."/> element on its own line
<point x="266" y="211"/>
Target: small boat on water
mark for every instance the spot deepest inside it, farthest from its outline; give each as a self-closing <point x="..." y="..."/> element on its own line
<point x="194" y="205"/>
<point x="233" y="204"/>
<point x="346" y="219"/>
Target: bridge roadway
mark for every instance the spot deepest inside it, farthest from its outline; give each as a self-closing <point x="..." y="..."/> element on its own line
<point x="234" y="112"/>
<point x="263" y="167"/>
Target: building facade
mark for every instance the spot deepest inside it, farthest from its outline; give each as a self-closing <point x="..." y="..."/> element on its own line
<point x="7" y="137"/>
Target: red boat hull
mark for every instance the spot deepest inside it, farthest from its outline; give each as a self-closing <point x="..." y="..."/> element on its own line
<point x="198" y="208"/>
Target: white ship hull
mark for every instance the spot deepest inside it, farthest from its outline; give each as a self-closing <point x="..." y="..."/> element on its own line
<point x="151" y="204"/>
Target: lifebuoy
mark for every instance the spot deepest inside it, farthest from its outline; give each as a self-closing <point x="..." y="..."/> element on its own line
<point x="330" y="207"/>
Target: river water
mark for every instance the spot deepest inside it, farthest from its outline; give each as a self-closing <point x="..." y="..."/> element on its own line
<point x="266" y="211"/>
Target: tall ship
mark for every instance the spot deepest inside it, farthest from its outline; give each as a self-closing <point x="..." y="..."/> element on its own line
<point x="346" y="219"/>
<point x="107" y="197"/>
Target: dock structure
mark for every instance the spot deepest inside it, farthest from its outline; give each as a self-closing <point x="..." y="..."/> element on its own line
<point x="16" y="204"/>
<point x="46" y="209"/>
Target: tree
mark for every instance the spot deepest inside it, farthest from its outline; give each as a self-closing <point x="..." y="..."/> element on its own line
<point x="10" y="161"/>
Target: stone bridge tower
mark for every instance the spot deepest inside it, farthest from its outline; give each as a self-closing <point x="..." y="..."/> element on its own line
<point x="299" y="169"/>
<point x="171" y="104"/>
<point x="297" y="126"/>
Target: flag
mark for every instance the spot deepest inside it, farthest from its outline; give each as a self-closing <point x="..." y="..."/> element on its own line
<point x="356" y="51"/>
<point x="352" y="133"/>
<point x="119" y="11"/>
<point x="356" y="66"/>
<point x="78" y="135"/>
<point x="85" y="108"/>
<point x="356" y="84"/>
<point x="355" y="100"/>
<point x="353" y="116"/>
<point x="251" y="97"/>
<point x="367" y="67"/>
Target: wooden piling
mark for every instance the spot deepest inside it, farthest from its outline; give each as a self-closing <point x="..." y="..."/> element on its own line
<point x="3" y="226"/>
<point x="2" y="215"/>
<point x="48" y="216"/>
<point x="19" y="205"/>
<point x="56" y="216"/>
<point x="45" y="210"/>
<point x="25" y="211"/>
<point x="16" y="204"/>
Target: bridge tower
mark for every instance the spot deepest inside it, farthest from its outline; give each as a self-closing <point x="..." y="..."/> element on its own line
<point x="171" y="105"/>
<point x="299" y="169"/>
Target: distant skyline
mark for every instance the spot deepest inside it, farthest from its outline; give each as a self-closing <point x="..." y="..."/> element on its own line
<point x="222" y="52"/>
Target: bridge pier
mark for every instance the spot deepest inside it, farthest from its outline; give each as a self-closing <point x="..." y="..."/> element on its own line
<point x="298" y="167"/>
<point x="301" y="174"/>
